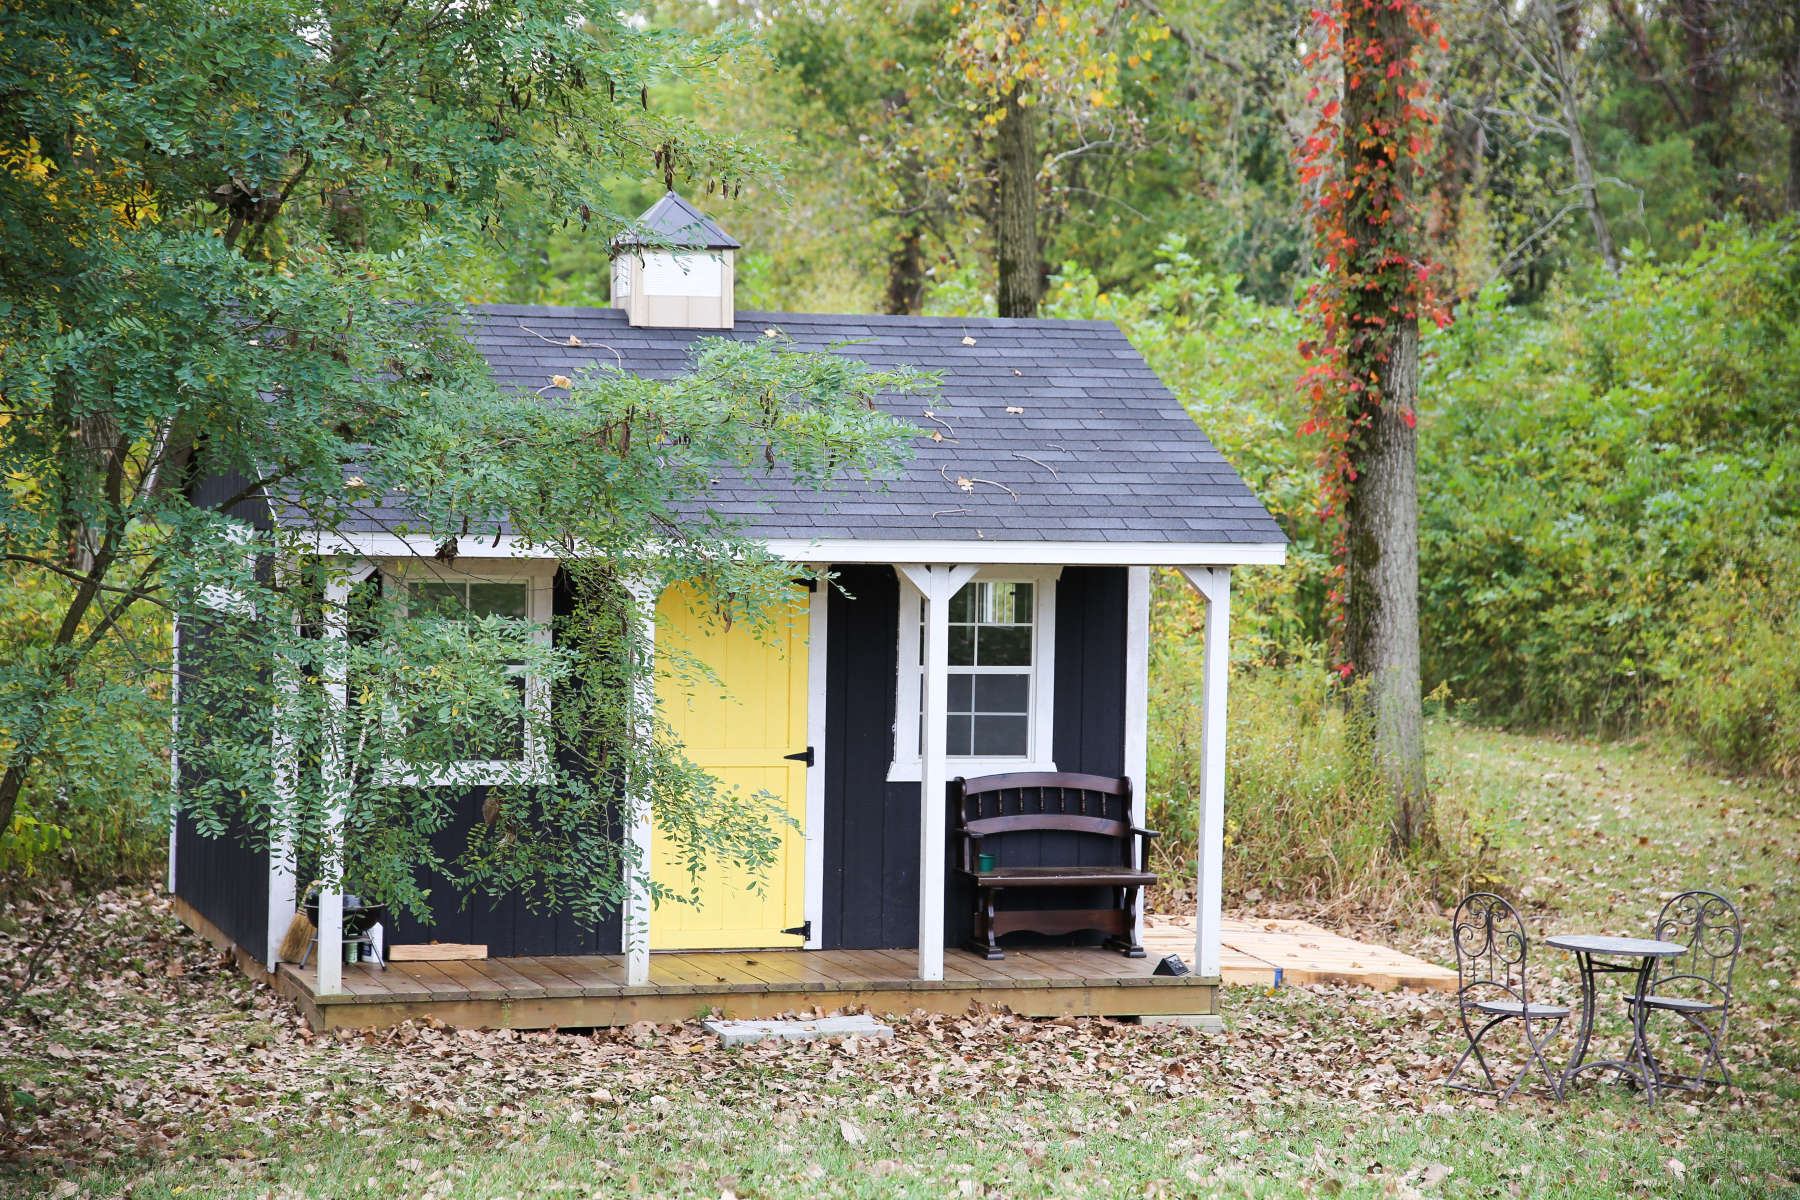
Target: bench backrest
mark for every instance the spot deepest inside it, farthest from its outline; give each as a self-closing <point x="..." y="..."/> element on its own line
<point x="1031" y="801"/>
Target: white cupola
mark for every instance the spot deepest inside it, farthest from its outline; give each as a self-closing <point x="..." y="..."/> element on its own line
<point x="674" y="269"/>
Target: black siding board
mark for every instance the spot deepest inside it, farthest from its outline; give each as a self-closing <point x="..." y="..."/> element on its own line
<point x="871" y="826"/>
<point x="225" y="878"/>
<point x="507" y="925"/>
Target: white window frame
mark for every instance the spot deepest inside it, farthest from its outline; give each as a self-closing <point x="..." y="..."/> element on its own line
<point x="538" y="576"/>
<point x="909" y="675"/>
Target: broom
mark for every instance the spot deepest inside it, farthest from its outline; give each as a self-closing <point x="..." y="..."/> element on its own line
<point x="299" y="933"/>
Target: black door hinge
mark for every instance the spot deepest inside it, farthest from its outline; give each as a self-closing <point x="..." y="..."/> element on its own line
<point x="805" y="756"/>
<point x="802" y="930"/>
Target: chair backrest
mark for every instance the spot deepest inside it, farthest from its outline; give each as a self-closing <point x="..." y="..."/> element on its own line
<point x="1708" y="925"/>
<point x="1023" y="801"/>
<point x="1490" y="945"/>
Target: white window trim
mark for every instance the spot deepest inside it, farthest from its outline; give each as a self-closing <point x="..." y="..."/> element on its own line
<point x="906" y="766"/>
<point x="539" y="577"/>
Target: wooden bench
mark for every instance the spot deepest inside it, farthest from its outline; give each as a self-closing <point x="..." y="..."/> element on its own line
<point x="1092" y="807"/>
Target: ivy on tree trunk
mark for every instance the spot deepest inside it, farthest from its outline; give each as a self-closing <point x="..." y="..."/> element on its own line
<point x="1363" y="373"/>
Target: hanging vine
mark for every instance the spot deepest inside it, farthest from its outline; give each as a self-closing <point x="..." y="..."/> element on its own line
<point x="1357" y="164"/>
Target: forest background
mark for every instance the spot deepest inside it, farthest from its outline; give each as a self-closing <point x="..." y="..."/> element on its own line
<point x="1609" y="459"/>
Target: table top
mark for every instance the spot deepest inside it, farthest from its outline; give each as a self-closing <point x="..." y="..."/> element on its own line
<point x="1588" y="943"/>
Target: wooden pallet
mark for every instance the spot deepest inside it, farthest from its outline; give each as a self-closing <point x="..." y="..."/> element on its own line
<point x="1269" y="953"/>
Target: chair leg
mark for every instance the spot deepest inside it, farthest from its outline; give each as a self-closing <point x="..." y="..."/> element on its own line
<point x="1537" y="1055"/>
<point x="1474" y="1049"/>
<point x="309" y="949"/>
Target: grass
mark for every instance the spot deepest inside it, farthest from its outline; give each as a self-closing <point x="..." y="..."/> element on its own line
<point x="175" y="1077"/>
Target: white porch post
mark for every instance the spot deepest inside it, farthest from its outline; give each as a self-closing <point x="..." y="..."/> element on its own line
<point x="634" y="922"/>
<point x="174" y="743"/>
<point x="281" y="843"/>
<point x="1214" y="584"/>
<point x="937" y="584"/>
<point x="1137" y="704"/>
<point x="335" y="625"/>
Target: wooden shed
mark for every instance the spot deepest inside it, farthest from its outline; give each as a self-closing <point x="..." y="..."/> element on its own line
<point x="990" y="614"/>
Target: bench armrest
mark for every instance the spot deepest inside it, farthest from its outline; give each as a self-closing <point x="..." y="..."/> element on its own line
<point x="1147" y="833"/>
<point x="971" y="846"/>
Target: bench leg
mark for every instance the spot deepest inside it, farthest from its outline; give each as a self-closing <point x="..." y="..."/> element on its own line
<point x="983" y="942"/>
<point x="1125" y="941"/>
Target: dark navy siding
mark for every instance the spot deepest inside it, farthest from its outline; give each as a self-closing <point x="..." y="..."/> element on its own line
<point x="872" y="826"/>
<point x="225" y="877"/>
<point x="507" y="926"/>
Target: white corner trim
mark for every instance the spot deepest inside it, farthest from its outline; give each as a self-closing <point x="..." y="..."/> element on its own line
<point x="634" y="922"/>
<point x="174" y="743"/>
<point x="1137" y="704"/>
<point x="1215" y="586"/>
<point x="818" y="614"/>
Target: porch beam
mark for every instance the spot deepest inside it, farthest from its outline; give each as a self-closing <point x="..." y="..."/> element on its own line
<point x="937" y="584"/>
<point x="335" y="625"/>
<point x="634" y="923"/>
<point x="1137" y="704"/>
<point x="1214" y="586"/>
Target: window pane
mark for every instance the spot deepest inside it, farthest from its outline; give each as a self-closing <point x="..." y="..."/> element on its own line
<point x="962" y="645"/>
<point x="1004" y="646"/>
<point x="498" y="599"/>
<point x="958" y="741"/>
<point x="960" y="693"/>
<point x="434" y="599"/>
<point x="1004" y="603"/>
<point x="1001" y="736"/>
<point x="961" y="602"/>
<point x="1002" y="693"/>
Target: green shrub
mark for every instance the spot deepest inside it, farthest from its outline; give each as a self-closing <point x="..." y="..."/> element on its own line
<point x="1610" y="494"/>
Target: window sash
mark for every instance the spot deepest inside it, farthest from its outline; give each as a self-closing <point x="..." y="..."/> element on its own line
<point x="532" y="764"/>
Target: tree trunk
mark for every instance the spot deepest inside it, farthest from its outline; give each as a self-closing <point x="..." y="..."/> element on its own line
<point x="1570" y="102"/>
<point x="1382" y="623"/>
<point x="1016" y="250"/>
<point x="1790" y="71"/>
<point x="906" y="274"/>
<point x="1381" y="509"/>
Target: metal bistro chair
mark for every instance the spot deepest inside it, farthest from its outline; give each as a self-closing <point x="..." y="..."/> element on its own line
<point x="1697" y="984"/>
<point x="1491" y="987"/>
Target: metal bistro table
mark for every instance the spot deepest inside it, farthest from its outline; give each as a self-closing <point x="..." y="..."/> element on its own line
<point x="1591" y="953"/>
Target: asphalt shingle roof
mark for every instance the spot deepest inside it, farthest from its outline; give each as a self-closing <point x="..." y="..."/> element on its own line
<point x="672" y="221"/>
<point x="1102" y="452"/>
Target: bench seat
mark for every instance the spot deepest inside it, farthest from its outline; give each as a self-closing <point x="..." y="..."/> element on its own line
<point x="1062" y="877"/>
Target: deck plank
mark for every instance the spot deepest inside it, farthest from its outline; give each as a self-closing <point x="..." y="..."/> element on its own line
<point x="543" y="972"/>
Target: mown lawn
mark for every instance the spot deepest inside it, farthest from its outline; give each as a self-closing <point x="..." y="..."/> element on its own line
<point x="163" y="1074"/>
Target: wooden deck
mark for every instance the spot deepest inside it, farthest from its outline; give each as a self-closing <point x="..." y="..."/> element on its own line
<point x="590" y="990"/>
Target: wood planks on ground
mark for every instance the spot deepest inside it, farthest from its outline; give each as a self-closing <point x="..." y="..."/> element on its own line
<point x="1251" y="952"/>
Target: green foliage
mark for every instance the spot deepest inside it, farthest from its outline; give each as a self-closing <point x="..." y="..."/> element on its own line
<point x="1610" y="498"/>
<point x="232" y="241"/>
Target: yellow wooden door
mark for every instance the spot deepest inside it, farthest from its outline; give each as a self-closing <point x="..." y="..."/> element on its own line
<point x="742" y="738"/>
